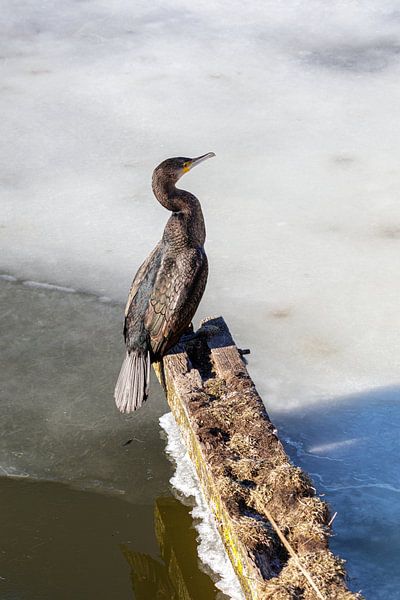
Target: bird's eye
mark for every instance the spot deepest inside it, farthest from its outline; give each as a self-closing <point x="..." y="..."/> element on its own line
<point x="186" y="166"/>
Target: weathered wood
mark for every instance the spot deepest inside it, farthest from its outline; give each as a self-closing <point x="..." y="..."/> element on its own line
<point x="258" y="497"/>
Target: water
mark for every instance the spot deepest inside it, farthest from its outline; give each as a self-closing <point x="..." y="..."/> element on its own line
<point x="86" y="505"/>
<point x="64" y="543"/>
<point x="300" y="102"/>
<point x="59" y="542"/>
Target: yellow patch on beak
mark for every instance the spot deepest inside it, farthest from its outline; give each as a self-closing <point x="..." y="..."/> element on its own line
<point x="186" y="167"/>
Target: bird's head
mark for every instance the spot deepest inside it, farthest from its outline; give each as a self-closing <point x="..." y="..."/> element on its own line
<point x="172" y="169"/>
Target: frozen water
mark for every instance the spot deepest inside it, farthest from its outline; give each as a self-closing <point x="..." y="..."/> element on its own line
<point x="350" y="446"/>
<point x="301" y="103"/>
<point x="61" y="354"/>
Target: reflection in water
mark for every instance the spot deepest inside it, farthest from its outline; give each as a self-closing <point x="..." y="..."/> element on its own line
<point x="61" y="543"/>
<point x="58" y="543"/>
<point x="149" y="577"/>
<point x="178" y="576"/>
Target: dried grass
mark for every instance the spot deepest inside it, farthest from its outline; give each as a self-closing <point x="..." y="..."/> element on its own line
<point x="272" y="504"/>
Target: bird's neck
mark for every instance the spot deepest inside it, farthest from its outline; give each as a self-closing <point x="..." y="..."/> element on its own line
<point x="185" y="227"/>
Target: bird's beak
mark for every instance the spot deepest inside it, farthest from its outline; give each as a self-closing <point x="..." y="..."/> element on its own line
<point x="196" y="161"/>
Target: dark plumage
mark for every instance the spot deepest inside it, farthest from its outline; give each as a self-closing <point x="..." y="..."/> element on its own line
<point x="168" y="286"/>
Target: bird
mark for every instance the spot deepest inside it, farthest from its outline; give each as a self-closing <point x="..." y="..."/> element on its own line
<point x="167" y="287"/>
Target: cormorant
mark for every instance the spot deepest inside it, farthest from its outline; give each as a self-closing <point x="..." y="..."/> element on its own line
<point x="168" y="286"/>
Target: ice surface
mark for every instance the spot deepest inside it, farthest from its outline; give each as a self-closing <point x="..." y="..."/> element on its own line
<point x="350" y="446"/>
<point x="61" y="355"/>
<point x="301" y="103"/>
<point x="211" y="549"/>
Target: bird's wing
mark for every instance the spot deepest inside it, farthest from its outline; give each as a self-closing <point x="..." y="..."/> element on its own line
<point x="140" y="276"/>
<point x="176" y="294"/>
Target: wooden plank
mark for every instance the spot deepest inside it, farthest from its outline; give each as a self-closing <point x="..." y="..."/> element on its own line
<point x="274" y="527"/>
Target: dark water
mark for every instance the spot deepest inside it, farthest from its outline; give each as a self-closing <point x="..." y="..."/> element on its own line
<point x="85" y="501"/>
<point x="57" y="542"/>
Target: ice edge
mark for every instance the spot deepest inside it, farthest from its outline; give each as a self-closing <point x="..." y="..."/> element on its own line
<point x="210" y="548"/>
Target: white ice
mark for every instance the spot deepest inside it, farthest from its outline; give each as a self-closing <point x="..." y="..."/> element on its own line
<point x="301" y="103"/>
<point x="299" y="100"/>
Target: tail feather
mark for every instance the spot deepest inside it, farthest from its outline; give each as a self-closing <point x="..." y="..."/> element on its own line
<point x="132" y="387"/>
